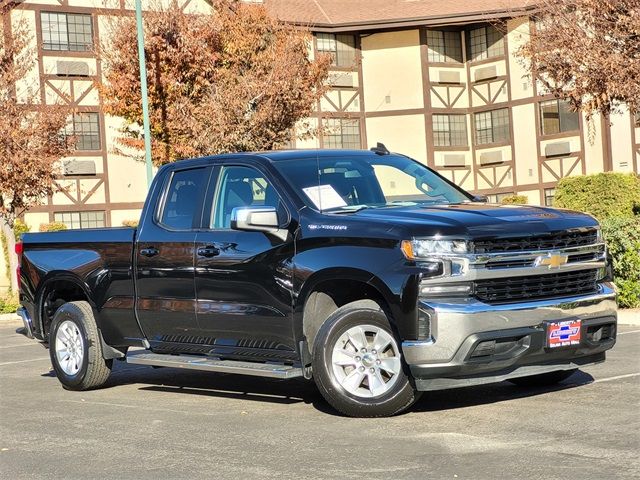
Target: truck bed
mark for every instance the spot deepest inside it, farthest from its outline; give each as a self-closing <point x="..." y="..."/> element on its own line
<point x="98" y="261"/>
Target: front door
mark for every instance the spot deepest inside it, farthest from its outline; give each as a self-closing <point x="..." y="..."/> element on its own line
<point x="243" y="279"/>
<point x="166" y="296"/>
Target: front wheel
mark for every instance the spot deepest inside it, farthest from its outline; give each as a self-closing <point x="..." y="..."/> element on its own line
<point x="75" y="348"/>
<point x="358" y="366"/>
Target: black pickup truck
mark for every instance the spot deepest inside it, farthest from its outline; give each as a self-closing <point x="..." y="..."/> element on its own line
<point x="363" y="270"/>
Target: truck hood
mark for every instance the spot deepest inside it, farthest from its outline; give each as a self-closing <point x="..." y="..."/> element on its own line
<point x="473" y="220"/>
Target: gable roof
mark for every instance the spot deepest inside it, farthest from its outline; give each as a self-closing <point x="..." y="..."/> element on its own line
<point x="344" y="15"/>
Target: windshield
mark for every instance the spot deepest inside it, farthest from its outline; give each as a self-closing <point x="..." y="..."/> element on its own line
<point x="355" y="182"/>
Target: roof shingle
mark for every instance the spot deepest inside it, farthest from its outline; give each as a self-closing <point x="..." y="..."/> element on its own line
<point x="335" y="14"/>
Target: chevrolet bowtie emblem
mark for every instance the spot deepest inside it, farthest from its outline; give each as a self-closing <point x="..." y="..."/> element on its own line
<point x="552" y="260"/>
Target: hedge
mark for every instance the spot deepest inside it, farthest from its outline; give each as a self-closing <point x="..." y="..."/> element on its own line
<point x="623" y="241"/>
<point x="614" y="199"/>
<point x="603" y="195"/>
<point x="515" y="199"/>
<point x="9" y="304"/>
<point x="52" y="227"/>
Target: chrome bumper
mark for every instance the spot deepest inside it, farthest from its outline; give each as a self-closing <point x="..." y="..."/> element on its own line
<point x="455" y="326"/>
<point x="26" y="320"/>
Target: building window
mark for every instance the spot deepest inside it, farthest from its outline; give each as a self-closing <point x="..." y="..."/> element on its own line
<point x="444" y="46"/>
<point x="66" y="32"/>
<point x="492" y="127"/>
<point x="485" y="42"/>
<point x="449" y="130"/>
<point x="498" y="197"/>
<point x="342" y="48"/>
<point x="342" y="133"/>
<point x="80" y="219"/>
<point x="85" y="128"/>
<point x="549" y="193"/>
<point x="556" y="117"/>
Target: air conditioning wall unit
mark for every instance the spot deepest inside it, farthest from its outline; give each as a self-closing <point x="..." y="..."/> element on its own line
<point x="79" y="167"/>
<point x="66" y="68"/>
<point x="490" y="158"/>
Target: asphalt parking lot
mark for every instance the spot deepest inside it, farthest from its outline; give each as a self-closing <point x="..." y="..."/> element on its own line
<point x="164" y="423"/>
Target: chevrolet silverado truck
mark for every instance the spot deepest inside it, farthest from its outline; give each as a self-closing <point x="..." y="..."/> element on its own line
<point x="365" y="271"/>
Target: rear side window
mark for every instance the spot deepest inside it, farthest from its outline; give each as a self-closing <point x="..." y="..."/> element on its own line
<point x="182" y="200"/>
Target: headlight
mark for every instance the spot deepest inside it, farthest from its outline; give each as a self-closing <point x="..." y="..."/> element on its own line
<point x="425" y="248"/>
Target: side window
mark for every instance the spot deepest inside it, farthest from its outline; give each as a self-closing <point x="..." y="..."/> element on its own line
<point x="182" y="198"/>
<point x="243" y="187"/>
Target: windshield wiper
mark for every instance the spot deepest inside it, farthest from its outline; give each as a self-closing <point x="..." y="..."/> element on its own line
<point x="347" y="209"/>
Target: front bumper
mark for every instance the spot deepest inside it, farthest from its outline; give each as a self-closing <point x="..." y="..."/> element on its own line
<point x="456" y="353"/>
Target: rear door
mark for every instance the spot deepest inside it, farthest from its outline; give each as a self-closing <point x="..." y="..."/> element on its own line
<point x="243" y="279"/>
<point x="166" y="296"/>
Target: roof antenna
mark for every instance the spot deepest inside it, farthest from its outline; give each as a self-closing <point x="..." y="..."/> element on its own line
<point x="380" y="149"/>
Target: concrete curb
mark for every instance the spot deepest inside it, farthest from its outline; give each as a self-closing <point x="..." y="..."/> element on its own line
<point x="629" y="316"/>
<point x="10" y="317"/>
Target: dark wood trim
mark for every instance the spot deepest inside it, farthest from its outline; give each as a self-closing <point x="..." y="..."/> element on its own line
<point x="488" y="146"/>
<point x="455" y="148"/>
<point x="561" y="135"/>
<point x="394" y="113"/>
<point x="607" y="153"/>
<point x="635" y="146"/>
<point x="84" y="207"/>
<point x="426" y="97"/>
<point x="507" y="84"/>
<point x="363" y="123"/>
<point x="499" y="58"/>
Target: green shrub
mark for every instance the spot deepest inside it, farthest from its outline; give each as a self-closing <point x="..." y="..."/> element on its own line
<point x="19" y="229"/>
<point x="623" y="241"/>
<point x="130" y="223"/>
<point x="9" y="304"/>
<point x="515" y="199"/>
<point x="603" y="195"/>
<point x="52" y="227"/>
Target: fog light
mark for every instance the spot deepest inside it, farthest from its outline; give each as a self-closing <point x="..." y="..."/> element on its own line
<point x="484" y="349"/>
<point x="453" y="290"/>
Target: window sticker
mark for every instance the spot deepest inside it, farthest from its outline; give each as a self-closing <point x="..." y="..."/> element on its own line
<point x="324" y="197"/>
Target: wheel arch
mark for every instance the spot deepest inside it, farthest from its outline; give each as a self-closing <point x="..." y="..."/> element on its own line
<point x="327" y="290"/>
<point x="54" y="290"/>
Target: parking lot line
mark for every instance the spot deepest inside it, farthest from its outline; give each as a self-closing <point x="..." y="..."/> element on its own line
<point x="632" y="331"/>
<point x="24" y="361"/>
<point x="617" y="377"/>
<point x="15" y="346"/>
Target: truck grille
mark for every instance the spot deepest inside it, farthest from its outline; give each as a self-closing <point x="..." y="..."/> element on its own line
<point x="552" y="241"/>
<point x="537" y="287"/>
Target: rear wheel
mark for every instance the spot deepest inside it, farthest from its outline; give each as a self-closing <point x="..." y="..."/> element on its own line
<point x="358" y="366"/>
<point x="543" y="379"/>
<point x="75" y="348"/>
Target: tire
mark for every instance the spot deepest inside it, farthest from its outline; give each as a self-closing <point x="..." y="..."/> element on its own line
<point x="544" y="379"/>
<point x="75" y="348"/>
<point x="377" y="392"/>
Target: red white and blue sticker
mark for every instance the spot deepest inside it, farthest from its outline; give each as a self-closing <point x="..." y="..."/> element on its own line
<point x="563" y="334"/>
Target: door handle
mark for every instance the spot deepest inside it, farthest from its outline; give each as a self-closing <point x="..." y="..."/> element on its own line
<point x="149" y="252"/>
<point x="209" y="251"/>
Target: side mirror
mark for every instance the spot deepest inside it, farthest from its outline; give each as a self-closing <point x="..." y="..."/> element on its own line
<point x="255" y="219"/>
<point x="480" y="198"/>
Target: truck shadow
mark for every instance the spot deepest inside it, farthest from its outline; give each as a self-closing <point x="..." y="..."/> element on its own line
<point x="257" y="389"/>
<point x="492" y="393"/>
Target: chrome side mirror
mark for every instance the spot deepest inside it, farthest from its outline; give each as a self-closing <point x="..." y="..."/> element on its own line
<point x="255" y="219"/>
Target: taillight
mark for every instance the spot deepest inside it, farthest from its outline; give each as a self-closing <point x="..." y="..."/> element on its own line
<point x="19" y="249"/>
